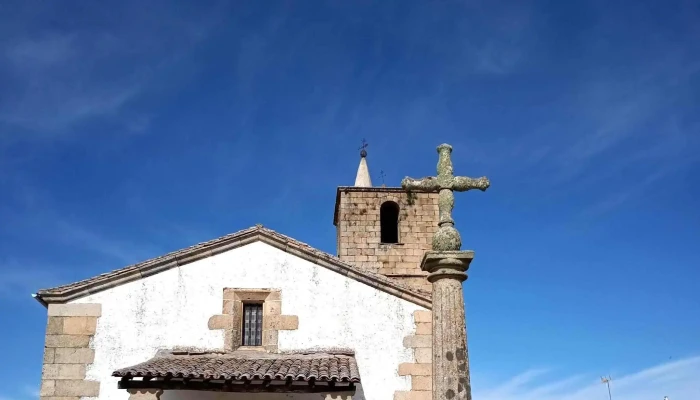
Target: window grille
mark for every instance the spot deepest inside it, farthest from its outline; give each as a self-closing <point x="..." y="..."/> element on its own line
<point x="252" y="324"/>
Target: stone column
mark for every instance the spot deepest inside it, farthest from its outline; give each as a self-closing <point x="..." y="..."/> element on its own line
<point x="447" y="266"/>
<point x="145" y="394"/>
<point x="450" y="355"/>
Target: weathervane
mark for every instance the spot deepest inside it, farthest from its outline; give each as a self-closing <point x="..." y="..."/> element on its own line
<point x="363" y="152"/>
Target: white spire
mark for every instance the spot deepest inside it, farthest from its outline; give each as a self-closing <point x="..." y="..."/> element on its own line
<point x="363" y="179"/>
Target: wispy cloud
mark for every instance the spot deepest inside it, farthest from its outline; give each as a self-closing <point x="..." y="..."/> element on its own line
<point x="507" y="41"/>
<point x="58" y="78"/>
<point x="32" y="217"/>
<point x="677" y="379"/>
<point x="21" y="275"/>
<point x="634" y="123"/>
<point x="77" y="235"/>
<point x="56" y="83"/>
<point x="486" y="39"/>
<point x="19" y="279"/>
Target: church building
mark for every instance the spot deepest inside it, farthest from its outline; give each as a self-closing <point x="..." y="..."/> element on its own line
<point x="259" y="315"/>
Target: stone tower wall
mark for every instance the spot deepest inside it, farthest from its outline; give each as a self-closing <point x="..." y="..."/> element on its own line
<point x="358" y="231"/>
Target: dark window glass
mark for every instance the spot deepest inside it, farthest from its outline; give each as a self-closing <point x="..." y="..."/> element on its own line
<point x="252" y="324"/>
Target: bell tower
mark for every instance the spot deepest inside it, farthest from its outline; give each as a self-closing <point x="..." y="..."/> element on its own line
<point x="385" y="229"/>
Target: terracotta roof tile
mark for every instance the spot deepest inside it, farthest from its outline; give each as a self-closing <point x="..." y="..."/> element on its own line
<point x="242" y="365"/>
<point x="64" y="293"/>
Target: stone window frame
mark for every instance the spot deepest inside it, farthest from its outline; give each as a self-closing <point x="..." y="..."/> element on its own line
<point x="398" y="200"/>
<point x="231" y="319"/>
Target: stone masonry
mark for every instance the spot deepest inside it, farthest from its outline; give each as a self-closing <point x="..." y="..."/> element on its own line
<point x="359" y="231"/>
<point x="420" y="371"/>
<point x="231" y="318"/>
<point x="67" y="352"/>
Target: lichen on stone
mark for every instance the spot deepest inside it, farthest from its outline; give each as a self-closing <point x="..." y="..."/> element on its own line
<point x="447" y="237"/>
<point x="410" y="198"/>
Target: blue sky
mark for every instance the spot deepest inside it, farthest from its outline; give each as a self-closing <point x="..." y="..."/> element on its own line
<point x="132" y="129"/>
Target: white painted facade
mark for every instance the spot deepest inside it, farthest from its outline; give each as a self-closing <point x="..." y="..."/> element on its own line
<point x="172" y="309"/>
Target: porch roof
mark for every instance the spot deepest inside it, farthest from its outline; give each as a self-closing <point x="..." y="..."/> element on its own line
<point x="241" y="370"/>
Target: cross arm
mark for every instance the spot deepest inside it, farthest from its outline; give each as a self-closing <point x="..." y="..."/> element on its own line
<point x="463" y="183"/>
<point x="429" y="184"/>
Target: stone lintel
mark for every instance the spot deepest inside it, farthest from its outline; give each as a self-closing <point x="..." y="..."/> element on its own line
<point x="447" y="264"/>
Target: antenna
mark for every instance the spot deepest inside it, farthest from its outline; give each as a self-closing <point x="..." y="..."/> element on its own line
<point x="606" y="380"/>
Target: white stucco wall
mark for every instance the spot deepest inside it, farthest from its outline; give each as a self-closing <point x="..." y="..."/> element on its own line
<point x="173" y="307"/>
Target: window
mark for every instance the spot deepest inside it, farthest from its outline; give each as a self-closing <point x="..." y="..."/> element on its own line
<point x="252" y="324"/>
<point x="389" y="220"/>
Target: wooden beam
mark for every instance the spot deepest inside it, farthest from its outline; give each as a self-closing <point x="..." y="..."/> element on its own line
<point x="281" y="387"/>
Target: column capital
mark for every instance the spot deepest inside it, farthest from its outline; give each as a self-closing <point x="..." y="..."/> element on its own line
<point x="447" y="264"/>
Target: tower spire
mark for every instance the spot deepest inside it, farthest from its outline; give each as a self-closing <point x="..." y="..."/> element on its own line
<point x="362" y="179"/>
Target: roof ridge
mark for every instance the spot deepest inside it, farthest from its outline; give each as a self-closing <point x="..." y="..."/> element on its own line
<point x="67" y="292"/>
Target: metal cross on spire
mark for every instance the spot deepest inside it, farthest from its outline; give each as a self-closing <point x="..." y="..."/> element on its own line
<point x="447" y="237"/>
<point x="363" y="152"/>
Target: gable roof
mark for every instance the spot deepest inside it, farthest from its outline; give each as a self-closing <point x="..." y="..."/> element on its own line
<point x="65" y="293"/>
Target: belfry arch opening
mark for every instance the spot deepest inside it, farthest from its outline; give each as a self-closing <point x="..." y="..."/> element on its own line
<point x="389" y="222"/>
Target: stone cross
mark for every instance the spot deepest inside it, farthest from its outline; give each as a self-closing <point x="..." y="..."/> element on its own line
<point x="447" y="237"/>
<point x="447" y="266"/>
